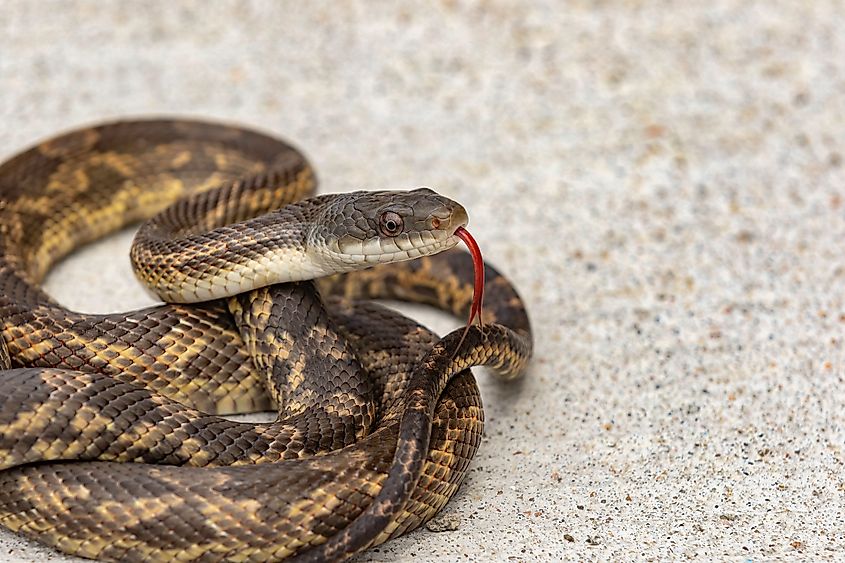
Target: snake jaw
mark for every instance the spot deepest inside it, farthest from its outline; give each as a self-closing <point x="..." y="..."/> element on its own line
<point x="478" y="283"/>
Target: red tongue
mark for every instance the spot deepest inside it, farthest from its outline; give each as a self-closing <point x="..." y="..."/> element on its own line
<point x="478" y="286"/>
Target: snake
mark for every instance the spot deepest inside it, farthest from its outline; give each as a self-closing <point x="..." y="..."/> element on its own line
<point x="114" y="438"/>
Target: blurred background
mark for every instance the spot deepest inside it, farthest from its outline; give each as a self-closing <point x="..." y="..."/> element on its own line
<point x="663" y="181"/>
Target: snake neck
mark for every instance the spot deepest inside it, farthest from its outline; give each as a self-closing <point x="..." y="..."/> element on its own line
<point x="184" y="267"/>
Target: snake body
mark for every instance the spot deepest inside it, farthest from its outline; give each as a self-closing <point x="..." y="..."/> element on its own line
<point x="378" y="418"/>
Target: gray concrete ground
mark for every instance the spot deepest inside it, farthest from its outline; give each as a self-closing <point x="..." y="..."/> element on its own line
<point x="664" y="182"/>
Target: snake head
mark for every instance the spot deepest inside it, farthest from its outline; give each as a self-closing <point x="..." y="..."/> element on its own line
<point x="360" y="229"/>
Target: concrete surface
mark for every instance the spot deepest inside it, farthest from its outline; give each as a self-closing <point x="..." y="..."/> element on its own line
<point x="663" y="181"/>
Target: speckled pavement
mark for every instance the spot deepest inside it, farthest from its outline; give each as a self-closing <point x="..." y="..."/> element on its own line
<point x="664" y="182"/>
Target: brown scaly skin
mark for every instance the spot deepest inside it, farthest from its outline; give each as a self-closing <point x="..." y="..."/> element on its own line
<point x="145" y="384"/>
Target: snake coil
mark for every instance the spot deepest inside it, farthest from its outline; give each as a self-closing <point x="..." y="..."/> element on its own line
<point x="377" y="420"/>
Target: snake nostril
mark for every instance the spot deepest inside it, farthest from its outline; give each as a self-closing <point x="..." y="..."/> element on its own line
<point x="441" y="218"/>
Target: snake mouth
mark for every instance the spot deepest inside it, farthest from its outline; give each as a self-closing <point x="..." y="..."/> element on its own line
<point x="409" y="253"/>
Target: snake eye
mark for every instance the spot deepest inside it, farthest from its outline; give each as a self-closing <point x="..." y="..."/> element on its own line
<point x="390" y="224"/>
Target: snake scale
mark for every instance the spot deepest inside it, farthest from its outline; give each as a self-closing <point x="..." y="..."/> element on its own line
<point x="378" y="418"/>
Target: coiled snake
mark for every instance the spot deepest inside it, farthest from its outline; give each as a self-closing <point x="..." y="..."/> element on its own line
<point x="378" y="418"/>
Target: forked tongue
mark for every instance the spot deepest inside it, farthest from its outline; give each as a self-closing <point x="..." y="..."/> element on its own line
<point x="478" y="284"/>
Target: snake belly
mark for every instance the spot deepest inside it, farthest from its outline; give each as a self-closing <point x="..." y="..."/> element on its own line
<point x="336" y="473"/>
